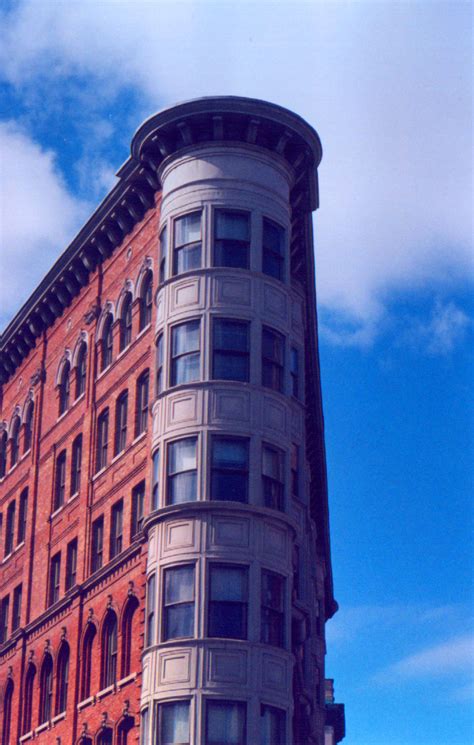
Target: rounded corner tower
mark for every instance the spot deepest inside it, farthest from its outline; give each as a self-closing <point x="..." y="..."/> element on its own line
<point x="238" y="577"/>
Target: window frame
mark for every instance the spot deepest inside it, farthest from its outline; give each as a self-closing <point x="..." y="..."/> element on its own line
<point x="269" y="254"/>
<point x="65" y="389"/>
<point x="76" y="465"/>
<point x="109" y="650"/>
<point x="189" y="247"/>
<point x="4" y="618"/>
<point x="15" y="441"/>
<point x="269" y="614"/>
<point x="159" y="376"/>
<point x="142" y="397"/>
<point x="166" y="606"/>
<point x="244" y="569"/>
<point x="97" y="546"/>
<point x="126" y="321"/>
<point x="116" y="529"/>
<point x="102" y="443"/>
<point x="171" y="476"/>
<point x="146" y="301"/>
<point x="214" y="470"/>
<point x="60" y="481"/>
<point x="160" y="707"/>
<point x="54" y="592"/>
<point x="16" y="607"/>
<point x="107" y="343"/>
<point x="138" y="509"/>
<point x="273" y="710"/>
<point x="230" y="353"/>
<point x="81" y="371"/>
<point x="22" y="516"/>
<point x="227" y="242"/>
<point x="270" y="484"/>
<point x="150" y="625"/>
<point x="28" y="428"/>
<point x="155" y="480"/>
<point x="46" y="690"/>
<point x="121" y="419"/>
<point x="10" y="528"/>
<point x="227" y="702"/>
<point x="71" y="564"/>
<point x="163" y="241"/>
<point x="175" y="358"/>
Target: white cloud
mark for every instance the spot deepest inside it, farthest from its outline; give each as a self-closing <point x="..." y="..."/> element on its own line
<point x="38" y="216"/>
<point x="453" y="656"/>
<point x="395" y="178"/>
<point x="439" y="334"/>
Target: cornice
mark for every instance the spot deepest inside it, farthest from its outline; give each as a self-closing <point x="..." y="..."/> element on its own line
<point x="221" y="119"/>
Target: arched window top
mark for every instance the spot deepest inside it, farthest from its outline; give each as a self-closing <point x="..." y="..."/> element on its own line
<point x="80" y="348"/>
<point x="28" y="422"/>
<point x="105" y="737"/>
<point x="107" y="342"/>
<point x="64" y="363"/>
<point x="15" y="423"/>
<point x="106" y="317"/>
<point x="125" y="298"/>
<point x="15" y="439"/>
<point x="81" y="369"/>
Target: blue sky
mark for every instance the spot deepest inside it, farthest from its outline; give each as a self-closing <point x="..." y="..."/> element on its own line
<point x="388" y="87"/>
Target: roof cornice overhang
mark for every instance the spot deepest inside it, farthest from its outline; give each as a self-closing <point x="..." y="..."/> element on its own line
<point x="204" y="120"/>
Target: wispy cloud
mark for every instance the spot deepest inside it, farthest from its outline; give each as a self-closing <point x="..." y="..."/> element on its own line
<point x="453" y="656"/>
<point x="441" y="332"/>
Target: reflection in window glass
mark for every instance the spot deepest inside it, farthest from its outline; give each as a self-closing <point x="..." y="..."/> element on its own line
<point x="272" y="477"/>
<point x="229" y="480"/>
<point x="273" y="253"/>
<point x="173" y="723"/>
<point x="273" y="358"/>
<point x="231" y="239"/>
<point x="228" y="602"/>
<point x="187" y="243"/>
<point x="225" y="723"/>
<point x="179" y="603"/>
<point x="230" y="350"/>
<point x="272" y="618"/>
<point x="185" y="353"/>
<point x="182" y="471"/>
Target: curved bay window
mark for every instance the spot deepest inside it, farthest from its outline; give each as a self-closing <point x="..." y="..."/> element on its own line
<point x="182" y="471"/>
<point x="273" y="250"/>
<point x="64" y="388"/>
<point x="81" y="369"/>
<point x="28" y="698"/>
<point x="146" y="301"/>
<point x="225" y="723"/>
<point x="109" y="650"/>
<point x="232" y="239"/>
<point x="15" y="442"/>
<point x="107" y="343"/>
<point x="230" y="469"/>
<point x="7" y="713"/>
<point x="172" y="723"/>
<point x="46" y="689"/>
<point x="230" y="350"/>
<point x="87" y="649"/>
<point x="126" y="322"/>
<point x="228" y="601"/>
<point x="178" y="601"/>
<point x="187" y="243"/>
<point x="185" y="355"/>
<point x="62" y="676"/>
<point x="28" y="430"/>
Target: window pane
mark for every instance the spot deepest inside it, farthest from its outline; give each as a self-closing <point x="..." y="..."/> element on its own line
<point x="186" y="259"/>
<point x="182" y="487"/>
<point x="229" y="583"/>
<point x="179" y="584"/>
<point x="272" y="464"/>
<point x="272" y="590"/>
<point x="230" y="453"/>
<point x="272" y="726"/>
<point x="225" y="723"/>
<point x="174" y="723"/>
<point x="186" y="338"/>
<point x="179" y="621"/>
<point x="273" y="237"/>
<point x="182" y="455"/>
<point x="232" y="225"/>
<point x="156" y="480"/>
<point x="229" y="366"/>
<point x="188" y="229"/>
<point x="231" y="253"/>
<point x="231" y="335"/>
<point x="272" y="346"/>
<point x="186" y="369"/>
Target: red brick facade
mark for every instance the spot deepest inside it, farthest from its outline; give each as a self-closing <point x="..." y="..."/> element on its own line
<point x="54" y="621"/>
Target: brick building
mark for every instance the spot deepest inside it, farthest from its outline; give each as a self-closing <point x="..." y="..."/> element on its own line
<point x="165" y="567"/>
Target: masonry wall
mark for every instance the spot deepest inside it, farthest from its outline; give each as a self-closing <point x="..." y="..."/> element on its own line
<point x="118" y="586"/>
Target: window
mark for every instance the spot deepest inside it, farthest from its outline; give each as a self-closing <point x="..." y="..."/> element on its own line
<point x="182" y="471"/>
<point x="185" y="359"/>
<point x="273" y="602"/>
<point x="87" y="649"/>
<point x="81" y="368"/>
<point x="3" y="454"/>
<point x="155" y="489"/>
<point x="295" y="375"/>
<point x="102" y="440"/>
<point x="121" y="422"/>
<point x="62" y="676"/>
<point x="16" y="611"/>
<point x="150" y="610"/>
<point x="231" y="239"/>
<point x="295" y="459"/>
<point x="15" y="442"/>
<point x="187" y="243"/>
<point x="163" y="252"/>
<point x="28" y="431"/>
<point x="159" y="364"/>
<point x="138" y="506"/>
<point x="54" y="578"/>
<point x="225" y="723"/>
<point x="125" y="726"/>
<point x="179" y="603"/>
<point x="230" y="359"/>
<point x="173" y="724"/>
<point x="107" y="343"/>
<point x="22" y="516"/>
<point x="228" y="599"/>
<point x="126" y="322"/>
<point x="71" y="564"/>
<point x="146" y="301"/>
<point x="273" y="254"/>
<point x="7" y="713"/>
<point x="97" y="543"/>
<point x="141" y="403"/>
<point x="272" y="726"/>
<point x="64" y="388"/>
<point x="76" y="464"/>
<point x="230" y="469"/>
<point x="109" y="650"/>
<point x="273" y="484"/>
<point x="60" y="481"/>
<point x="10" y="528"/>
<point x="273" y="357"/>
<point x="127" y="635"/>
<point x="295" y="559"/>
<point x="4" y="611"/>
<point x="116" y="529"/>
<point x="46" y="689"/>
<point x="28" y="698"/>
<point x="105" y="737"/>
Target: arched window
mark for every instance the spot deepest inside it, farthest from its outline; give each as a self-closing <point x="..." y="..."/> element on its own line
<point x="87" y="648"/>
<point x="3" y="454"/>
<point x="81" y="368"/>
<point x="109" y="650"/>
<point x="64" y="387"/>
<point x="7" y="713"/>
<point x="127" y="624"/>
<point x="105" y="737"/>
<point x="22" y="515"/>
<point x="28" y="431"/>
<point x="10" y="528"/>
<point x="141" y="403"/>
<point x="123" y="729"/>
<point x="107" y="343"/>
<point x="121" y="410"/>
<point x="62" y="675"/>
<point x="15" y="442"/>
<point x="28" y="698"/>
<point x="146" y="301"/>
<point x="46" y="689"/>
<point x="126" y="322"/>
